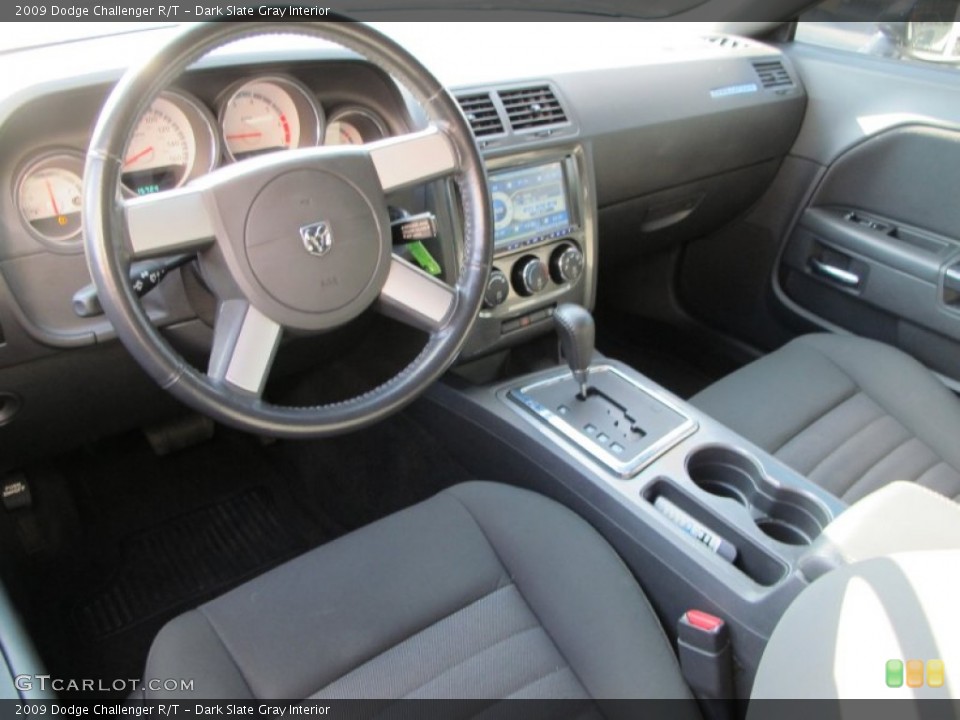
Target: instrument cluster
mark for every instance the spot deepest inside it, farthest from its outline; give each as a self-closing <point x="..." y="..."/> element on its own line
<point x="179" y="138"/>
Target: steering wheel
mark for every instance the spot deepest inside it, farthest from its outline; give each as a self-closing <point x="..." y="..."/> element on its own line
<point x="297" y="240"/>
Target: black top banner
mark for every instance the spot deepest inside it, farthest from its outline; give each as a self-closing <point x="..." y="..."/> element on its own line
<point x="158" y="11"/>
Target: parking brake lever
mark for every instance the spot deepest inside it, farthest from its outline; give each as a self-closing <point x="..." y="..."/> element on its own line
<point x="144" y="277"/>
<point x="574" y="325"/>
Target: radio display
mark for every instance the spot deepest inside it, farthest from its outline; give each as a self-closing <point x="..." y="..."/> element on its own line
<point x="529" y="204"/>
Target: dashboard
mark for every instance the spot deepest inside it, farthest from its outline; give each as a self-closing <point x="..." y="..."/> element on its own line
<point x="589" y="159"/>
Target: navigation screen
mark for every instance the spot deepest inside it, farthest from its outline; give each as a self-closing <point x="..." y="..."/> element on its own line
<point x="529" y="204"/>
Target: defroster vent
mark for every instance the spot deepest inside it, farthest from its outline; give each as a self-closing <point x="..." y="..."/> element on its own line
<point x="772" y="74"/>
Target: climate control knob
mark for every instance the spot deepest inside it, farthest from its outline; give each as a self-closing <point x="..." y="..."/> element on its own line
<point x="530" y="275"/>
<point x="498" y="287"/>
<point x="566" y="264"/>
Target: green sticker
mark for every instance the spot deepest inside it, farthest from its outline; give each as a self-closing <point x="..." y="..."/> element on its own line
<point x="423" y="257"/>
<point x="894" y="673"/>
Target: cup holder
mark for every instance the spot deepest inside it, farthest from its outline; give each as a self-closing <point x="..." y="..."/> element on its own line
<point x="783" y="514"/>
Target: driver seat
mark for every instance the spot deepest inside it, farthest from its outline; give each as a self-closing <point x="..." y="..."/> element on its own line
<point x="484" y="591"/>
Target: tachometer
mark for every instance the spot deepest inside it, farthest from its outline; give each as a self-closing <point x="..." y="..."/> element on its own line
<point x="269" y="114"/>
<point x="354" y="126"/>
<point x="50" y="195"/>
<point x="173" y="142"/>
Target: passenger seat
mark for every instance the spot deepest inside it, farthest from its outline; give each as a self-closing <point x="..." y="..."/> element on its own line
<point x="849" y="413"/>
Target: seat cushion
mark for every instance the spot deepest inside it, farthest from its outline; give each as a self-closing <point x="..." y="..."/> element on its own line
<point x="484" y="591"/>
<point x="849" y="413"/>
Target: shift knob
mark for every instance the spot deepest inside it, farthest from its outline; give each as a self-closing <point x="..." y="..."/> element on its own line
<point x="575" y="327"/>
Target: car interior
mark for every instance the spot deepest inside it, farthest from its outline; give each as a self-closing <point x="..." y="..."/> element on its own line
<point x="540" y="360"/>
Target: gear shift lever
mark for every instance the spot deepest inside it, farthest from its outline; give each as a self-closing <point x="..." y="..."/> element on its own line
<point x="574" y="325"/>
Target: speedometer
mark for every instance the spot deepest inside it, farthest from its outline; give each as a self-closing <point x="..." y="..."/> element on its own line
<point x="269" y="114"/>
<point x="172" y="143"/>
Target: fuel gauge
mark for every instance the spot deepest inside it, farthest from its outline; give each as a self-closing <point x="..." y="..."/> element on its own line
<point x="50" y="195"/>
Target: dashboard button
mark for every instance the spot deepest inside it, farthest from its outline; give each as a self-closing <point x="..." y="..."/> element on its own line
<point x="529" y="275"/>
<point x="498" y="287"/>
<point x="566" y="264"/>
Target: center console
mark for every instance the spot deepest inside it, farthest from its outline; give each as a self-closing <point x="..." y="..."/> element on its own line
<point x="703" y="517"/>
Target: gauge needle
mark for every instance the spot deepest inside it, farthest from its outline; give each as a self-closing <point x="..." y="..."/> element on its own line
<point x="244" y="136"/>
<point x="134" y="158"/>
<point x="53" y="200"/>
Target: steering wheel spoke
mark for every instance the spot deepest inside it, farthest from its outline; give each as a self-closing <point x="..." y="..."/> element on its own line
<point x="168" y="223"/>
<point x="245" y="342"/>
<point x="413" y="159"/>
<point x="416" y="297"/>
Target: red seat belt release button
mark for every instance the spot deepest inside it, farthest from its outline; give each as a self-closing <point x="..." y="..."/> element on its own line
<point x="704" y="621"/>
<point x="706" y="655"/>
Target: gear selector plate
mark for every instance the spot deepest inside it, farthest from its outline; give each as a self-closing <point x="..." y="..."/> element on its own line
<point x="619" y="423"/>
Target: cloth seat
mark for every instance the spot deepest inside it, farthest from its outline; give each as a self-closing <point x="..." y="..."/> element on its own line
<point x="849" y="413"/>
<point x="484" y="591"/>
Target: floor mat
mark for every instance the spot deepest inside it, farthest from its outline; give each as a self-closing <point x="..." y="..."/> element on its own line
<point x="131" y="540"/>
<point x="188" y="559"/>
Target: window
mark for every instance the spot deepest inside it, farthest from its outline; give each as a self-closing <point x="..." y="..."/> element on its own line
<point x="926" y="31"/>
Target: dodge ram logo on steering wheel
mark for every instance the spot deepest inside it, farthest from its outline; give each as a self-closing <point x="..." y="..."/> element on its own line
<point x="317" y="238"/>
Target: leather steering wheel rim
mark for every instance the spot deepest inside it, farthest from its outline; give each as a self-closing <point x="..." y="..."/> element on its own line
<point x="114" y="227"/>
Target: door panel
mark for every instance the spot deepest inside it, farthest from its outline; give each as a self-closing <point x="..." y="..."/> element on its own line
<point x="876" y="249"/>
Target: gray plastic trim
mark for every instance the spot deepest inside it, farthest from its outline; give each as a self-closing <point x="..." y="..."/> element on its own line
<point x="413" y="159"/>
<point x="245" y="343"/>
<point x="169" y="222"/>
<point x="413" y="296"/>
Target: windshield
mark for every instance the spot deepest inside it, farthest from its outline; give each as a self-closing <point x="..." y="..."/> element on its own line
<point x="35" y="34"/>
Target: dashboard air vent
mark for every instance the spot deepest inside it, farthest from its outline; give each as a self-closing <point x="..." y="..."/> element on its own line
<point x="772" y="74"/>
<point x="532" y="107"/>
<point x="481" y="113"/>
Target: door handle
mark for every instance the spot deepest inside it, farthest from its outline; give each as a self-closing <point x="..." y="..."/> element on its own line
<point x="832" y="272"/>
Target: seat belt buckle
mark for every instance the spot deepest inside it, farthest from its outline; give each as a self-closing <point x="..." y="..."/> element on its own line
<point x="706" y="655"/>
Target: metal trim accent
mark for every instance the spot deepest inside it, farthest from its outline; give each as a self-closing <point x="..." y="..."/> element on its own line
<point x="547" y="420"/>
